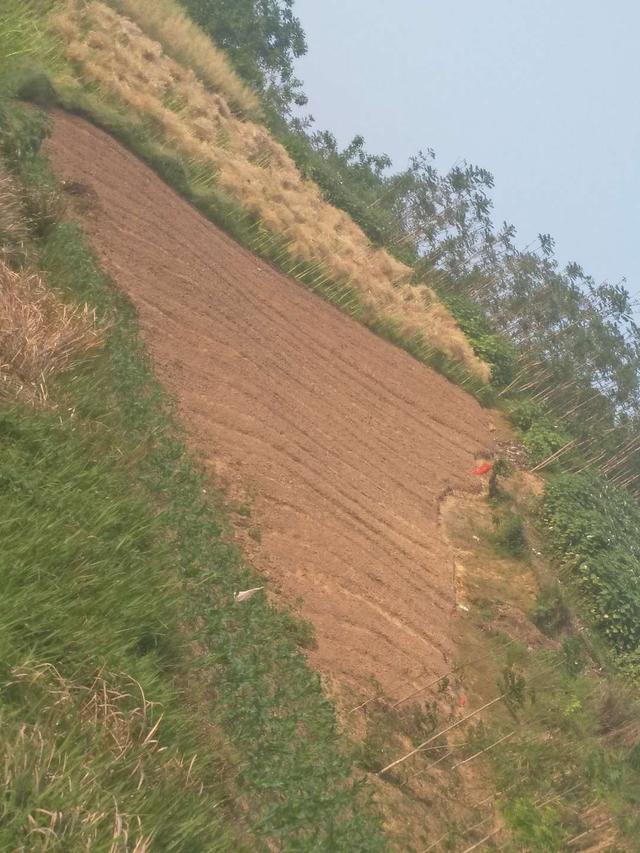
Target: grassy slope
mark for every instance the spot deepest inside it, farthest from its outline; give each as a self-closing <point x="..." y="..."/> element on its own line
<point x="570" y="766"/>
<point x="557" y="757"/>
<point x="118" y="570"/>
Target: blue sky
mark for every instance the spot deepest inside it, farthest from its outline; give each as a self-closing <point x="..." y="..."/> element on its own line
<point x="543" y="93"/>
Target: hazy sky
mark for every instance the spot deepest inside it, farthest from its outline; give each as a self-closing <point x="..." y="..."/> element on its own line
<point x="543" y="93"/>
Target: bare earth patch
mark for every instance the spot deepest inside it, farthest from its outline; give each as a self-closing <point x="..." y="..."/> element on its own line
<point x="344" y="443"/>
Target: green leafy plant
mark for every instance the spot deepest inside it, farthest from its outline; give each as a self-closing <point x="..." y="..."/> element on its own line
<point x="552" y="614"/>
<point x="490" y="346"/>
<point x="593" y="530"/>
<point x="534" y="829"/>
<point x="513" y="686"/>
<point x="510" y="535"/>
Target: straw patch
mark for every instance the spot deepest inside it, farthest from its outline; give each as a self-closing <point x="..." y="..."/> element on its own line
<point x="166" y="22"/>
<point x="39" y="335"/>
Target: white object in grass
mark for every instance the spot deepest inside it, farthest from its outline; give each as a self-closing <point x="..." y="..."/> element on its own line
<point x="243" y="596"/>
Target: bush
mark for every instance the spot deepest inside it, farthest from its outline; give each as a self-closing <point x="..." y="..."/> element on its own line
<point x="544" y="438"/>
<point x="534" y="828"/>
<point x="490" y="346"/>
<point x="551" y="614"/>
<point x="593" y="529"/>
<point x="22" y="132"/>
<point x="542" y="435"/>
<point x="510" y="535"/>
<point x="524" y="413"/>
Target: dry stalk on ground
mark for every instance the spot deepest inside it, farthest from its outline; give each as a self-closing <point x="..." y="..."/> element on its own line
<point x="112" y="706"/>
<point x="39" y="335"/>
<point x="167" y="22"/>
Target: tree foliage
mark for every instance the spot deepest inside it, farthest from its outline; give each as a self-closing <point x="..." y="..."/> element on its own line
<point x="546" y="328"/>
<point x="593" y="529"/>
<point x="263" y="39"/>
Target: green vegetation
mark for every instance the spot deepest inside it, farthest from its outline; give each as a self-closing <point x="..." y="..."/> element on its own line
<point x="552" y="614"/>
<point x="593" y="529"/>
<point x="492" y="347"/>
<point x="262" y="39"/>
<point x="561" y="744"/>
<point x="568" y="769"/>
<point x="510" y="535"/>
<point x="116" y="570"/>
<point x="134" y="694"/>
<point x="21" y="37"/>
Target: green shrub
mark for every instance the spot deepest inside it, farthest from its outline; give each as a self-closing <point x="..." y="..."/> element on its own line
<point x="490" y="346"/>
<point x="510" y="534"/>
<point x="534" y="829"/>
<point x="542" y="435"/>
<point x="593" y="529"/>
<point x="22" y="132"/>
<point x="544" y="438"/>
<point x="524" y="412"/>
<point x="551" y="614"/>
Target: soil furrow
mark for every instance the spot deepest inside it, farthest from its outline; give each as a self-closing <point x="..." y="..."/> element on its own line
<point x="341" y="442"/>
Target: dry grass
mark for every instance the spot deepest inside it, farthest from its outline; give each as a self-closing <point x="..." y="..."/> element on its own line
<point x="112" y="52"/>
<point x="14" y="231"/>
<point x="166" y="21"/>
<point x="39" y="335"/>
<point x="111" y="711"/>
<point x="115" y="705"/>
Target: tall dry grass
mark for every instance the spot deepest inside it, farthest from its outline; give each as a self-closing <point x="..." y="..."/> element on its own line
<point x="111" y="713"/>
<point x="182" y="39"/>
<point x="112" y="52"/>
<point x="39" y="335"/>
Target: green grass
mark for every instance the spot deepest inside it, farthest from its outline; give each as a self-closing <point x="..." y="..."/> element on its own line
<point x="573" y="717"/>
<point x="87" y="585"/>
<point x="117" y="566"/>
<point x="509" y="535"/>
<point x="569" y="753"/>
<point x="22" y="36"/>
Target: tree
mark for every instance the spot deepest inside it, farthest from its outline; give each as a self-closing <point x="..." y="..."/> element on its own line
<point x="263" y="39"/>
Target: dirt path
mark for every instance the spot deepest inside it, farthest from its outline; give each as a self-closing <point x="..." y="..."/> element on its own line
<point x="344" y="442"/>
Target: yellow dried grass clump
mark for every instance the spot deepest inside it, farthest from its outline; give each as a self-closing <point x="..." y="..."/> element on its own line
<point x="114" y="53"/>
<point x="165" y="21"/>
<point x="39" y="335"/>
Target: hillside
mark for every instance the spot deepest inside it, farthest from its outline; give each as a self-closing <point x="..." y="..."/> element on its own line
<point x="340" y="444"/>
<point x="251" y="167"/>
<point x="225" y="366"/>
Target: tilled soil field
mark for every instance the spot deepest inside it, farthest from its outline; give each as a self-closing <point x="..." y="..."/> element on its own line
<point x="343" y="444"/>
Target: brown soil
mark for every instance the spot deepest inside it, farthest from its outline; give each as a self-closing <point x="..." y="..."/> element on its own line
<point x="344" y="444"/>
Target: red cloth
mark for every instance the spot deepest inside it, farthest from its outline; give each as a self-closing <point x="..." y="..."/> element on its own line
<point x="482" y="469"/>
